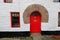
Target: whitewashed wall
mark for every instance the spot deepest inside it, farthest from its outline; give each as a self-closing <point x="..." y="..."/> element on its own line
<point x="20" y="6"/>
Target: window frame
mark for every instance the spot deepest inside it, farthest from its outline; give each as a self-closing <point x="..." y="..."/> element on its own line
<point x="58" y="19"/>
<point x="18" y="19"/>
<point x="5" y="1"/>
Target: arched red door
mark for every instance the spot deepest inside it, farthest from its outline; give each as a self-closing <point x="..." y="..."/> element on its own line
<point x="35" y="22"/>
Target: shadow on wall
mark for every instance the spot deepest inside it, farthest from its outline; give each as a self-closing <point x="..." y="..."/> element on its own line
<point x="56" y="0"/>
<point x="32" y="8"/>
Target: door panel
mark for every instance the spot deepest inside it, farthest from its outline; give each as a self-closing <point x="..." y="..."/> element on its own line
<point x="35" y="22"/>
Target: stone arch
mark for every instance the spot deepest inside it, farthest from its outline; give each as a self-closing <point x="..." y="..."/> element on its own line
<point x="35" y="7"/>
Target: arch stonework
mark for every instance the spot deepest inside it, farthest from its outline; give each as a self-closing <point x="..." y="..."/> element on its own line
<point x="35" y="7"/>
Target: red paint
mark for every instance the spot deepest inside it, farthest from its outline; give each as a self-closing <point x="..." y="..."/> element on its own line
<point x="5" y="1"/>
<point x="18" y="20"/>
<point x="56" y="37"/>
<point x="35" y="22"/>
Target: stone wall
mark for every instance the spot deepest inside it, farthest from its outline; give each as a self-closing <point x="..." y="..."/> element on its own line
<point x="35" y="7"/>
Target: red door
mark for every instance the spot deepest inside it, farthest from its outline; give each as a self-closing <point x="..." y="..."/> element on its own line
<point x="35" y="22"/>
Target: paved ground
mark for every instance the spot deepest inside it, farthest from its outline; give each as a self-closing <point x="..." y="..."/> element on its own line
<point x="27" y="38"/>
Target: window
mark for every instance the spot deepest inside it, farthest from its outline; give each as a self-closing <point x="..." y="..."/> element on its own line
<point x="8" y="1"/>
<point x="56" y="0"/>
<point x="59" y="19"/>
<point x="15" y="19"/>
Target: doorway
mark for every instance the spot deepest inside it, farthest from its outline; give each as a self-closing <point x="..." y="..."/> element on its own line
<point x="35" y="22"/>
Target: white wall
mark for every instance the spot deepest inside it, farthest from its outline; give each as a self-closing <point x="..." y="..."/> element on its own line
<point x="20" y="6"/>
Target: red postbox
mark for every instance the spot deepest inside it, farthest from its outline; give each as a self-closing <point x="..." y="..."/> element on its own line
<point x="35" y="22"/>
